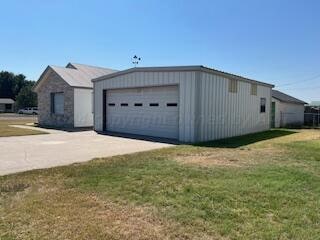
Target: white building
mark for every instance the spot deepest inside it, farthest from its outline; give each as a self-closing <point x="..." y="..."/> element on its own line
<point x="286" y="110"/>
<point x="190" y="104"/>
<point x="6" y="105"/>
<point x="65" y="95"/>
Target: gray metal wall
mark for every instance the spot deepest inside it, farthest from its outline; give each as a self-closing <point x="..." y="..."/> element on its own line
<point x="288" y="114"/>
<point x="186" y="81"/>
<point x="221" y="114"/>
<point x="207" y="110"/>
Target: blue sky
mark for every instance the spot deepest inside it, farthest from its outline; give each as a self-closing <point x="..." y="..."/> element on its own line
<point x="276" y="41"/>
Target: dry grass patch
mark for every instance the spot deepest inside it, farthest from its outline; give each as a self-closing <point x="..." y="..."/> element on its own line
<point x="232" y="157"/>
<point x="260" y="152"/>
<point x="6" y="130"/>
<point x="300" y="135"/>
<point x="47" y="210"/>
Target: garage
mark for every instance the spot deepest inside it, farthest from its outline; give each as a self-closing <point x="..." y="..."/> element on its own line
<point x="186" y="103"/>
<point x="149" y="111"/>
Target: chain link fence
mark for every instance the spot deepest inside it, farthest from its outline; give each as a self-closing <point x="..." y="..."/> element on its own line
<point x="312" y="116"/>
<point x="312" y="119"/>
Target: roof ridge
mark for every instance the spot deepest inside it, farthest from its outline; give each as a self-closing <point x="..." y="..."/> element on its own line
<point x="92" y="66"/>
<point x="56" y="66"/>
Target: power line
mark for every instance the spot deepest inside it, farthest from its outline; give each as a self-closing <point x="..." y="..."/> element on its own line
<point x="300" y="81"/>
<point x="305" y="88"/>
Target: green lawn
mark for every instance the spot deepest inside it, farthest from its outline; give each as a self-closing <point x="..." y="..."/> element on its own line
<point x="6" y="130"/>
<point x="260" y="186"/>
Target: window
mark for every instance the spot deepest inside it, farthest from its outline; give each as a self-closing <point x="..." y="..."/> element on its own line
<point x="262" y="105"/>
<point x="172" y="104"/>
<point x="124" y="104"/>
<point x="154" y="104"/>
<point x="57" y="103"/>
<point x="233" y="86"/>
<point x="8" y="107"/>
<point x="254" y="89"/>
<point x="138" y="104"/>
<point x="111" y="104"/>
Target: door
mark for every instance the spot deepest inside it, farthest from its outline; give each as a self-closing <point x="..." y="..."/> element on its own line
<point x="150" y="111"/>
<point x="273" y="115"/>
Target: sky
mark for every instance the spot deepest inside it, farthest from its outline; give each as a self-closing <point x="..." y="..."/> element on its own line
<point x="275" y="41"/>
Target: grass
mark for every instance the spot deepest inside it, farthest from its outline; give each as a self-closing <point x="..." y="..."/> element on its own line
<point x="235" y="142"/>
<point x="263" y="189"/>
<point x="6" y="130"/>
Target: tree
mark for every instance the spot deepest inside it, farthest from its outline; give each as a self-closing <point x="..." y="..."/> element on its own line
<point x="6" y="84"/>
<point x="18" y="88"/>
<point x="19" y="82"/>
<point x="11" y="84"/>
<point x="26" y="97"/>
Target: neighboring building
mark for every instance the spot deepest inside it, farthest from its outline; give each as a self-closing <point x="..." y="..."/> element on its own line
<point x="6" y="105"/>
<point x="286" y="110"/>
<point x="312" y="114"/>
<point x="190" y="104"/>
<point x="65" y="95"/>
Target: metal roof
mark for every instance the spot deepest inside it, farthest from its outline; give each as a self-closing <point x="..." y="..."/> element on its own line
<point x="77" y="75"/>
<point x="285" y="98"/>
<point x="180" y="68"/>
<point x="6" y="101"/>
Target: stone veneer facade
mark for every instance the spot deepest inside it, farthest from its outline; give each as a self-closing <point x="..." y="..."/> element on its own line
<point x="55" y="84"/>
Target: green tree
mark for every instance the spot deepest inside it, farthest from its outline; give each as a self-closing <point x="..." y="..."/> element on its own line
<point x="7" y="82"/>
<point x="18" y="88"/>
<point x="26" y="97"/>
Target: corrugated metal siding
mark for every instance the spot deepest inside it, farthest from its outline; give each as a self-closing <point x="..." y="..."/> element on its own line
<point x="207" y="110"/>
<point x="223" y="114"/>
<point x="187" y="94"/>
<point x="288" y="113"/>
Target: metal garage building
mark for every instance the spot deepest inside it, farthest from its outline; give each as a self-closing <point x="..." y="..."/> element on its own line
<point x="286" y="111"/>
<point x="190" y="104"/>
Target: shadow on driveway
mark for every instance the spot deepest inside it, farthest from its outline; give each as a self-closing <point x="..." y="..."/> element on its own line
<point x="76" y="129"/>
<point x="141" y="137"/>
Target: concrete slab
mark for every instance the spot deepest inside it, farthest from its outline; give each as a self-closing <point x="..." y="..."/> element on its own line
<point x="24" y="153"/>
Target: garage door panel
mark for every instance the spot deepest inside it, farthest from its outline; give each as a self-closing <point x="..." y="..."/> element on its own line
<point x="141" y="121"/>
<point x="159" y="120"/>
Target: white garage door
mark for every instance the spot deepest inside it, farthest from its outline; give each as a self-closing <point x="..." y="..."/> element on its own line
<point x="151" y="111"/>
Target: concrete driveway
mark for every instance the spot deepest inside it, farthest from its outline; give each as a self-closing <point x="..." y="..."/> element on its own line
<point x="58" y="148"/>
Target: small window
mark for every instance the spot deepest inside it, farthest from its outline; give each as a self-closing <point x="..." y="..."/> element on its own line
<point x="263" y="105"/>
<point x="111" y="104"/>
<point x="254" y="89"/>
<point x="154" y="104"/>
<point x="172" y="104"/>
<point x="124" y="104"/>
<point x="233" y="86"/>
<point x="138" y="104"/>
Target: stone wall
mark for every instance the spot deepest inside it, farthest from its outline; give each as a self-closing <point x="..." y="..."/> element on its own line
<point x="55" y="84"/>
